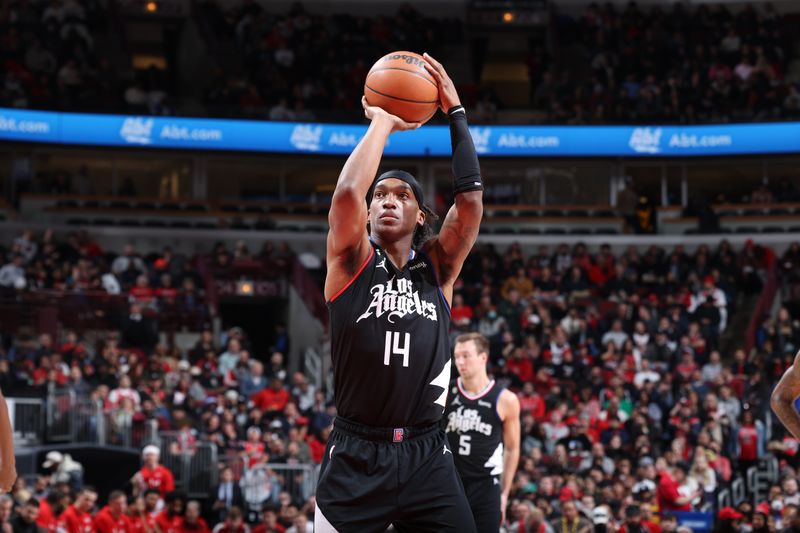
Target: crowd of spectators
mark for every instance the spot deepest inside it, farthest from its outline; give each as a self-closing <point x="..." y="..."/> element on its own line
<point x="76" y="265"/>
<point x="676" y="64"/>
<point x="296" y="64"/>
<point x="631" y="413"/>
<point x="51" y="57"/>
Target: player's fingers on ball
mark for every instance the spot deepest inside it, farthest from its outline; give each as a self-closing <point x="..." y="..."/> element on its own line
<point x="432" y="60"/>
<point x="435" y="73"/>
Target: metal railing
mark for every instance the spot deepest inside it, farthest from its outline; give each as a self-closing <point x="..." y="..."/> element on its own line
<point x="27" y="419"/>
<point x="262" y="483"/>
<point x="193" y="463"/>
<point x="82" y="419"/>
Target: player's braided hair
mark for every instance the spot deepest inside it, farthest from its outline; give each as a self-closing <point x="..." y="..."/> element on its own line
<point x="423" y="232"/>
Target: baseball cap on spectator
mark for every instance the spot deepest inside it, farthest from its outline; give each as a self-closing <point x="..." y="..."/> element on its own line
<point x="600" y="515"/>
<point x="729" y="513"/>
<point x="232" y="396"/>
<point x="301" y="421"/>
<point x="566" y="494"/>
<point x="147" y="450"/>
<point x="645" y="485"/>
<point x="646" y="461"/>
<point x="183" y="365"/>
<point x="763" y="508"/>
<point x="52" y="458"/>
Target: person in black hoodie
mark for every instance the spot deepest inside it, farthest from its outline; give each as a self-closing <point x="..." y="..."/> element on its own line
<point x="24" y="521"/>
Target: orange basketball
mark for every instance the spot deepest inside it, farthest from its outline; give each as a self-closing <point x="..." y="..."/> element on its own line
<point x="399" y="83"/>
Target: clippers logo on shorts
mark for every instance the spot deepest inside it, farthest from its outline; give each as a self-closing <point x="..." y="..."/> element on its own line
<point x="397" y="298"/>
<point x="464" y="419"/>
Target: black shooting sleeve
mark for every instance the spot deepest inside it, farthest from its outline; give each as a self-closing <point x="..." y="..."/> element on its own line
<point x="466" y="169"/>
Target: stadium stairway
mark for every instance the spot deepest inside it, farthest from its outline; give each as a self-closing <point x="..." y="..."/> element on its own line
<point x="736" y="331"/>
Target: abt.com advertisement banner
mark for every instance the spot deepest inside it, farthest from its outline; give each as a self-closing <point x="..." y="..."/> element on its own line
<point x="340" y="139"/>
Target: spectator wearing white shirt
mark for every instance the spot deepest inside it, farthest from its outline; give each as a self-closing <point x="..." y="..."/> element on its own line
<point x="712" y="369"/>
<point x="116" y="396"/>
<point x="13" y="274"/>
<point x="303" y="391"/>
<point x="230" y="358"/>
<point x="645" y="374"/>
<point x="301" y="525"/>
<point x="729" y="402"/>
<point x="615" y="335"/>
<point x="123" y="262"/>
<point x="718" y="296"/>
<point x="26" y="245"/>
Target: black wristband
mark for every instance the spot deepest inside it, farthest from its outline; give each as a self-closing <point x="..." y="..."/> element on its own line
<point x="466" y="169"/>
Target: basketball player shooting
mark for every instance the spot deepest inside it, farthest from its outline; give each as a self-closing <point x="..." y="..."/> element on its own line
<point x="482" y="426"/>
<point x="388" y="288"/>
<point x="8" y="470"/>
<point x="784" y="396"/>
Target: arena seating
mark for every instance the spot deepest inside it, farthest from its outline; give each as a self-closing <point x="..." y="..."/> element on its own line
<point x="620" y="349"/>
<point x="741" y="70"/>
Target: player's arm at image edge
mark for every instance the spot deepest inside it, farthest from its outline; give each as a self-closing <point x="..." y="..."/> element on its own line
<point x="8" y="471"/>
<point x="509" y="411"/>
<point x="784" y="395"/>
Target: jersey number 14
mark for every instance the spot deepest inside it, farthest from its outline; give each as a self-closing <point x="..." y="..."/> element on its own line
<point x="392" y="346"/>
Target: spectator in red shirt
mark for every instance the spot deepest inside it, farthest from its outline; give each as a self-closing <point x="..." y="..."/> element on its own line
<point x="669" y="499"/>
<point x="77" y="518"/>
<point x="49" y="509"/>
<point x="193" y="521"/>
<point x="748" y="440"/>
<point x="521" y="365"/>
<point x="460" y="315"/>
<point x="113" y="518"/>
<point x="167" y="293"/>
<point x="170" y="519"/>
<point x="143" y="513"/>
<point x="142" y="293"/>
<point x="274" y="398"/>
<point x="153" y="475"/>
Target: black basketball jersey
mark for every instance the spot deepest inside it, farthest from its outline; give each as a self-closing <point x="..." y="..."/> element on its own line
<point x="475" y="431"/>
<point x="390" y="345"/>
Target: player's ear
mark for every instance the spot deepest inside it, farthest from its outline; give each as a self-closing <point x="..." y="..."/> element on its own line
<point x="421" y="217"/>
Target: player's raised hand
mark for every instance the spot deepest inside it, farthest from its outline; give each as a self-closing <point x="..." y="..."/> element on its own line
<point x="376" y="113"/>
<point x="448" y="96"/>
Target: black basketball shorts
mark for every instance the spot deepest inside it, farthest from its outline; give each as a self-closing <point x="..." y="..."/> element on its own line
<point x="483" y="495"/>
<point x="371" y="478"/>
